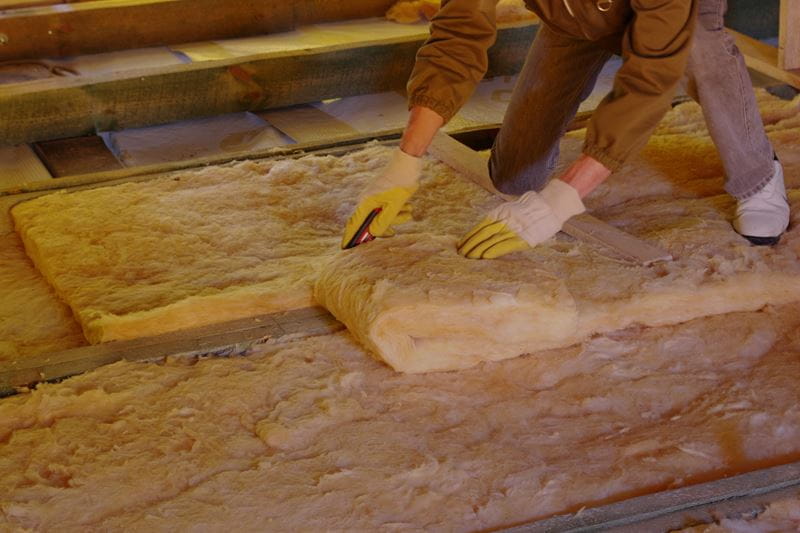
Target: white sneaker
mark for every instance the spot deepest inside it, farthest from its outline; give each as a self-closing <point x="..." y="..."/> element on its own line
<point x="763" y="217"/>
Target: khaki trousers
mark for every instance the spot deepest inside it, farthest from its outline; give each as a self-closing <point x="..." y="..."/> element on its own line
<point x="560" y="72"/>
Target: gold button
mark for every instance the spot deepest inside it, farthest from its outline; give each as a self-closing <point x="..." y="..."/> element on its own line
<point x="604" y="5"/>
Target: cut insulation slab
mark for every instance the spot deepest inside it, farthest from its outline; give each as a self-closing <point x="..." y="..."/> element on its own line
<point x="210" y="245"/>
<point x="315" y="435"/>
<point x="421" y="307"/>
<point x="32" y="318"/>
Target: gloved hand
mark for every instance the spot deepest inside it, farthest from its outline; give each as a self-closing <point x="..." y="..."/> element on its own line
<point x="390" y="191"/>
<point x="525" y="222"/>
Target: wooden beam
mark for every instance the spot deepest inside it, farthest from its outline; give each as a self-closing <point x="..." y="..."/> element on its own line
<point x="583" y="227"/>
<point x="70" y="107"/>
<point x="763" y="58"/>
<point x="229" y="338"/>
<point x="106" y="25"/>
<point x="789" y="36"/>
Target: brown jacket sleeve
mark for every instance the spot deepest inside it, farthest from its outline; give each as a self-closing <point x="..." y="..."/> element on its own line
<point x="655" y="50"/>
<point x="453" y="59"/>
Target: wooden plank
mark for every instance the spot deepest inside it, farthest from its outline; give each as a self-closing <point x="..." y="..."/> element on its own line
<point x="587" y="228"/>
<point x="679" y="508"/>
<point x="584" y="227"/>
<point x="76" y="155"/>
<point x="69" y="107"/>
<point x="16" y="4"/>
<point x="789" y="35"/>
<point x="306" y="123"/>
<point x="106" y="25"/>
<point x="229" y="338"/>
<point x="763" y="58"/>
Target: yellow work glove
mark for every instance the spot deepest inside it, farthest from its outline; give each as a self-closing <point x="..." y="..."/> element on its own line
<point x="525" y="222"/>
<point x="389" y="191"/>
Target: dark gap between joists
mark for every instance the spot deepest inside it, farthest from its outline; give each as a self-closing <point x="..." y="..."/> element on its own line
<point x="76" y="155"/>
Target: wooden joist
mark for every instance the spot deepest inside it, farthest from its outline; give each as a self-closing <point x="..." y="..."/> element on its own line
<point x="103" y="25"/>
<point x="229" y="338"/>
<point x="763" y="58"/>
<point x="70" y="107"/>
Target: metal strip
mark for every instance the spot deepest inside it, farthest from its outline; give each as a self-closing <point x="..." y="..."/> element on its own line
<point x="674" y="509"/>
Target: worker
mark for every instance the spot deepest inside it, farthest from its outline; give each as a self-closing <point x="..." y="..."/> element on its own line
<point x="662" y="42"/>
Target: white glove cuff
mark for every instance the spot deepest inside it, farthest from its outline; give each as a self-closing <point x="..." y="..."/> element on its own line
<point x="563" y="199"/>
<point x="403" y="170"/>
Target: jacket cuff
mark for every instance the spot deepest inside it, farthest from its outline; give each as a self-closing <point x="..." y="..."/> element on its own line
<point x="611" y="163"/>
<point x="441" y="108"/>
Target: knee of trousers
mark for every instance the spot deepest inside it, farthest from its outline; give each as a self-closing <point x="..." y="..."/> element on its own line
<point x="517" y="181"/>
<point x="712" y="55"/>
<point x="711" y="39"/>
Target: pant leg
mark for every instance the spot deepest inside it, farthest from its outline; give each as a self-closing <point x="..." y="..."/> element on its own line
<point x="559" y="73"/>
<point x="718" y="80"/>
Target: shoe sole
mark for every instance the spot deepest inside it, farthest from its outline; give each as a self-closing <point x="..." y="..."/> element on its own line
<point x="762" y="241"/>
